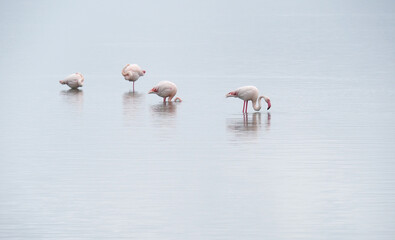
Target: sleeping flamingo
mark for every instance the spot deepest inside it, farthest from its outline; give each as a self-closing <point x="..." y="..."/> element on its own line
<point x="249" y="93"/>
<point x="132" y="72"/>
<point x="74" y="80"/>
<point x="165" y="89"/>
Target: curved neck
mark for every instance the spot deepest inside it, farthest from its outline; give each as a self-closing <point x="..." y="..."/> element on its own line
<point x="124" y="70"/>
<point x="257" y="108"/>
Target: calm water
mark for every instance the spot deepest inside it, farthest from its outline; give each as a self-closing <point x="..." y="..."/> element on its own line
<point x="106" y="163"/>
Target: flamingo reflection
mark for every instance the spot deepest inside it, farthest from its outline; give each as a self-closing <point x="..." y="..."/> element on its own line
<point x="74" y="97"/>
<point x="132" y="105"/>
<point x="165" y="113"/>
<point x="249" y="123"/>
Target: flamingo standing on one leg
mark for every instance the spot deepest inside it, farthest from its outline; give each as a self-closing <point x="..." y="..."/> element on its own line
<point x="74" y="80"/>
<point x="132" y="72"/>
<point x="249" y="93"/>
<point x="165" y="89"/>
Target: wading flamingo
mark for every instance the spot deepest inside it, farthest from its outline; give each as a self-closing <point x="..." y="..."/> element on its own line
<point x="165" y="89"/>
<point x="249" y="93"/>
<point x="132" y="72"/>
<point x="74" y="80"/>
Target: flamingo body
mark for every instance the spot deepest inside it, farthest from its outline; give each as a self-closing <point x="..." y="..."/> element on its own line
<point x="132" y="72"/>
<point x="165" y="89"/>
<point x="249" y="93"/>
<point x="74" y="80"/>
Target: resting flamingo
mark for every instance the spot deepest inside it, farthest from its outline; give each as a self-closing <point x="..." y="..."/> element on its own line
<point x="165" y="89"/>
<point x="74" y="80"/>
<point x="249" y="93"/>
<point x="132" y="72"/>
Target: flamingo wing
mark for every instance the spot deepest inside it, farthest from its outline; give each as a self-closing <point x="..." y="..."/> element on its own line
<point x="246" y="93"/>
<point x="165" y="91"/>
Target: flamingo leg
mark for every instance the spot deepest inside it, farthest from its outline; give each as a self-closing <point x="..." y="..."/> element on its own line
<point x="244" y="106"/>
<point x="245" y="118"/>
<point x="164" y="99"/>
<point x="133" y="86"/>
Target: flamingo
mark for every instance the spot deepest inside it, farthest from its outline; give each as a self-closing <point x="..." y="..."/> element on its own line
<point x="74" y="80"/>
<point x="132" y="72"/>
<point x="249" y="93"/>
<point x="165" y="89"/>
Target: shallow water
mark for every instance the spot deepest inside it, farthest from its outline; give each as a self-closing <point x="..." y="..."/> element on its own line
<point x="104" y="162"/>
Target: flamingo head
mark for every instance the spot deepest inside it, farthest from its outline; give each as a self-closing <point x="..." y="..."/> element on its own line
<point x="153" y="90"/>
<point x="232" y="94"/>
<point x="269" y="105"/>
<point x="141" y="73"/>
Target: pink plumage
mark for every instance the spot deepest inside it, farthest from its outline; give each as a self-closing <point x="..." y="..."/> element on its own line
<point x="165" y="89"/>
<point x="74" y="80"/>
<point x="132" y="72"/>
<point x="249" y="93"/>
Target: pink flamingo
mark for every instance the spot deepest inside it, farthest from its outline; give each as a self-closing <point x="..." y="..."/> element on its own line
<point x="74" y="80"/>
<point x="132" y="72"/>
<point x="249" y="93"/>
<point x="165" y="89"/>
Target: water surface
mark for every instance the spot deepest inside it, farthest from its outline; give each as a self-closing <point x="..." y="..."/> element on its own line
<point x="104" y="162"/>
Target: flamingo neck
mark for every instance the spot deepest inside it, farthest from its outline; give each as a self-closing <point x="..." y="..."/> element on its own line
<point x="124" y="70"/>
<point x="81" y="82"/>
<point x="254" y="105"/>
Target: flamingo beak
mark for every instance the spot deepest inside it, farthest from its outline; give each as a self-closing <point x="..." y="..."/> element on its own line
<point x="269" y="105"/>
<point x="152" y="91"/>
<point x="143" y="71"/>
<point x="231" y="94"/>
